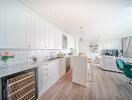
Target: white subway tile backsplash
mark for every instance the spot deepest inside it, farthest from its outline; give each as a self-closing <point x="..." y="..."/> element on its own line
<point x="24" y="56"/>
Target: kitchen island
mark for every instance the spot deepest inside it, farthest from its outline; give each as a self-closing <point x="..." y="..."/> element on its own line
<point x="80" y="67"/>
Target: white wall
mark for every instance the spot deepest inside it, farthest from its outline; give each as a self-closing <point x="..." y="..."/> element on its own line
<point x="111" y="44"/>
<point x="103" y="44"/>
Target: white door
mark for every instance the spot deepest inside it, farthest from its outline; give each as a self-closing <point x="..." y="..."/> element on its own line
<point x="2" y="24"/>
<point x="16" y="26"/>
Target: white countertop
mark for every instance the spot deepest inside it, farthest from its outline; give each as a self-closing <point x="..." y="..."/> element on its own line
<point x="8" y="70"/>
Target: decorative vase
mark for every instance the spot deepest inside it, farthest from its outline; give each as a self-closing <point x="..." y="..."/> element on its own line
<point x="3" y="64"/>
<point x="4" y="57"/>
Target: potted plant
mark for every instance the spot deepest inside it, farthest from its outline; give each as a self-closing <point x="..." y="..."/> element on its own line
<point x="5" y="56"/>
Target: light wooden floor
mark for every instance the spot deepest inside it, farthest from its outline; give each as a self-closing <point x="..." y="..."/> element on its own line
<point x="106" y="86"/>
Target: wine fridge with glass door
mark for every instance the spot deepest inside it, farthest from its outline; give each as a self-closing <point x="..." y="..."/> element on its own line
<point x="20" y="86"/>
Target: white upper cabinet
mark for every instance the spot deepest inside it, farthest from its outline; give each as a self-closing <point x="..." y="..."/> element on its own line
<point x="37" y="34"/>
<point x="2" y="24"/>
<point x="46" y="37"/>
<point x="55" y="40"/>
<point x="59" y="40"/>
<point x="21" y="28"/>
<point x="16" y="26"/>
<point x="50" y="38"/>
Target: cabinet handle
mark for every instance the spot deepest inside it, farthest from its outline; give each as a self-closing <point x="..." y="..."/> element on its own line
<point x="45" y="69"/>
<point x="29" y="45"/>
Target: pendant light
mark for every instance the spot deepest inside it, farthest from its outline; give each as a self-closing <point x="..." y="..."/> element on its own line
<point x="81" y="35"/>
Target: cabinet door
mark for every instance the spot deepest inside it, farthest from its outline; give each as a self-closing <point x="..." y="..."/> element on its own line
<point x="51" y="73"/>
<point x="60" y="40"/>
<point x="44" y="77"/>
<point x="37" y="34"/>
<point x="56" y="70"/>
<point x="16" y="26"/>
<point x="48" y="75"/>
<point x="2" y="23"/>
<point x="62" y="67"/>
<point x="51" y="37"/>
<point x="46" y="36"/>
<point x="55" y="40"/>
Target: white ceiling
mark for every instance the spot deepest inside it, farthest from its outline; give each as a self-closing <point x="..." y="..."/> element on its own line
<point x="100" y="18"/>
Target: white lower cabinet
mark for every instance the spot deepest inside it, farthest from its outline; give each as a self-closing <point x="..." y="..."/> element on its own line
<point x="43" y="79"/>
<point x="50" y="73"/>
<point x="39" y="81"/>
<point x="62" y="67"/>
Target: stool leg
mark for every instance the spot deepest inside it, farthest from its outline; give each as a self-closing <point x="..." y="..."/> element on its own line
<point x="130" y="82"/>
<point x="124" y="79"/>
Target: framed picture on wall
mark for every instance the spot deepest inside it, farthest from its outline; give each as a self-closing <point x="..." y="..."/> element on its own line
<point x="93" y="47"/>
